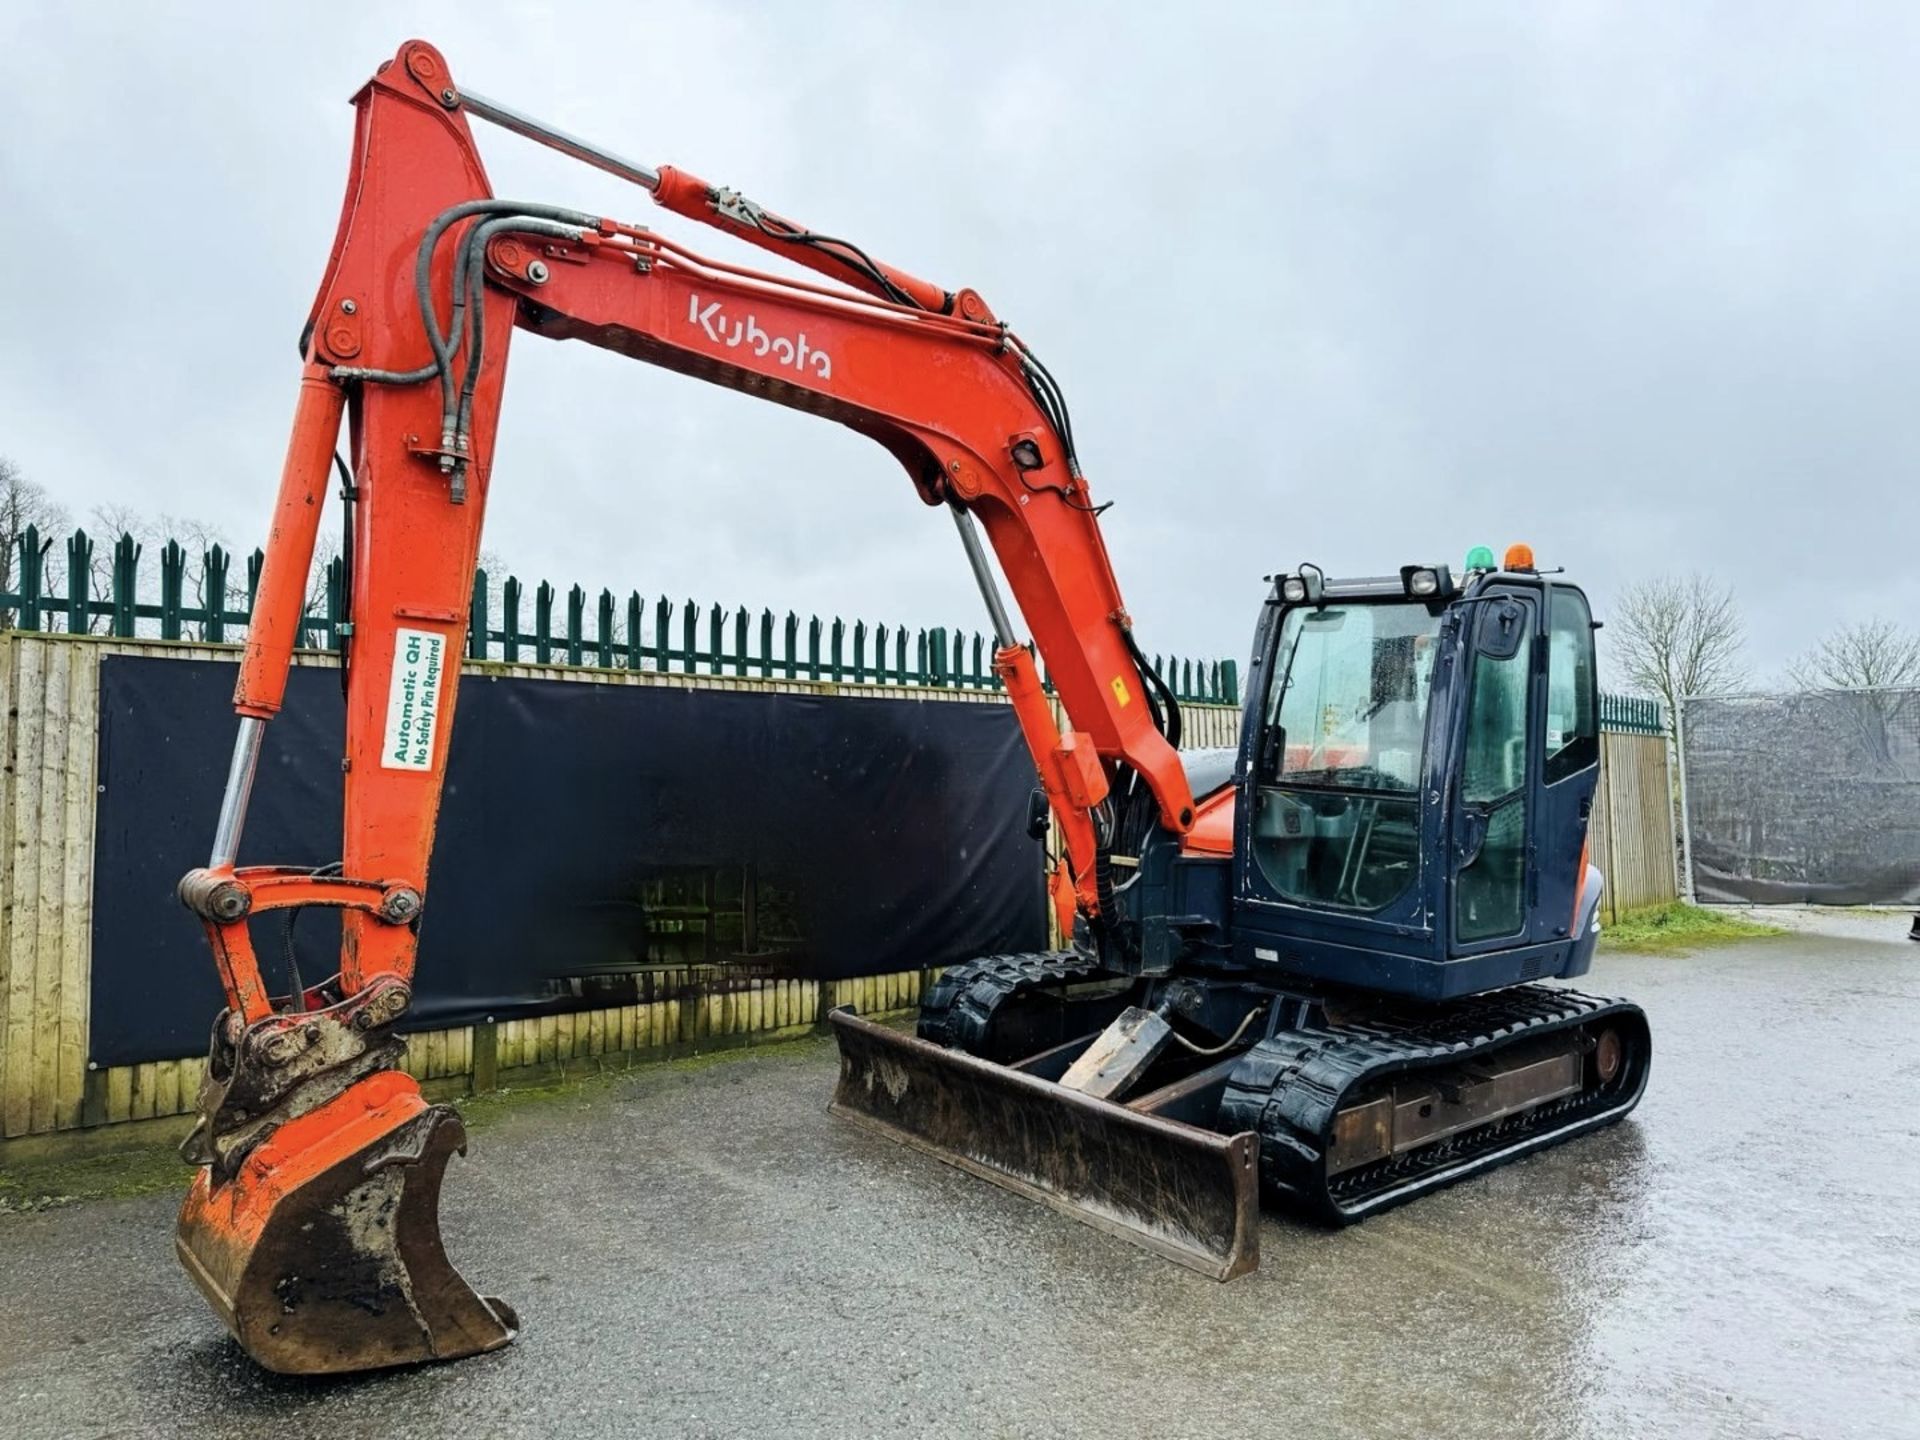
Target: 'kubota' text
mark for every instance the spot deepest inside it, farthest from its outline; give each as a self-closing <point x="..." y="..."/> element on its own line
<point x="734" y="331"/>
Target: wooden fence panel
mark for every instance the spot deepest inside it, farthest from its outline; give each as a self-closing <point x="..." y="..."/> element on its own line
<point x="46" y="887"/>
<point x="49" y="732"/>
<point x="1632" y="839"/>
<point x="19" y="906"/>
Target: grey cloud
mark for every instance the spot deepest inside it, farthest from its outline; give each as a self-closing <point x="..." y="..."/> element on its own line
<point x="1361" y="284"/>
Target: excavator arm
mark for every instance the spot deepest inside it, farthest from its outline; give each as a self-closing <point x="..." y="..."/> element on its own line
<point x="311" y="1226"/>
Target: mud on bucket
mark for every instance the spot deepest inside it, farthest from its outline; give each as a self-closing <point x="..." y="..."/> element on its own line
<point x="322" y="1253"/>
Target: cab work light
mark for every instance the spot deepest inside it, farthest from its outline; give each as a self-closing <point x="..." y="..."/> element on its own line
<point x="1308" y="587"/>
<point x="1425" y="582"/>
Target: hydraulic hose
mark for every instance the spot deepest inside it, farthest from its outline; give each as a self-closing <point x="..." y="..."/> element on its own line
<point x="445" y="343"/>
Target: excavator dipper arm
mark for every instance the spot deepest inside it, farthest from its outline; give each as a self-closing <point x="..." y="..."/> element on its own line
<point x="312" y="1224"/>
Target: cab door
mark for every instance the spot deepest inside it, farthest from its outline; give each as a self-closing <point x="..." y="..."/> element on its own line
<point x="1493" y="807"/>
<point x="1569" y="708"/>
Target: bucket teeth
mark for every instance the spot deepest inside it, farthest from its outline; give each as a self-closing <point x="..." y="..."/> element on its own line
<point x="323" y="1253"/>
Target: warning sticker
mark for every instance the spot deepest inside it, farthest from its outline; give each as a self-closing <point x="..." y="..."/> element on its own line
<point x="1120" y="691"/>
<point x="413" y="699"/>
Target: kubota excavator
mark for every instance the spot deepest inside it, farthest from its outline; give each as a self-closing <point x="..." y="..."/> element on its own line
<point x="1305" y="966"/>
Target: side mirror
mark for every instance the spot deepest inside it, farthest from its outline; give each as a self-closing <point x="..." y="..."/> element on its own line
<point x="1499" y="629"/>
<point x="1272" y="753"/>
<point x="1039" y="815"/>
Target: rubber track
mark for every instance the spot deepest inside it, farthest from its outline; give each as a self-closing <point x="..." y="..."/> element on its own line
<point x="1288" y="1089"/>
<point x="959" y="1008"/>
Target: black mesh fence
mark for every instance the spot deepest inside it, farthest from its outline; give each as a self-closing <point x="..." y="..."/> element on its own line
<point x="1804" y="798"/>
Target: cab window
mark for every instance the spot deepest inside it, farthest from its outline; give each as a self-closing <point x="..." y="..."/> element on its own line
<point x="1342" y="744"/>
<point x="1573" y="720"/>
<point x="1490" y="889"/>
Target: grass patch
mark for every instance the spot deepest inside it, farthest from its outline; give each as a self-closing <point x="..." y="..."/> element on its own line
<point x="44" y="1183"/>
<point x="1679" y="927"/>
<point x="30" y="1185"/>
<point x="482" y="1109"/>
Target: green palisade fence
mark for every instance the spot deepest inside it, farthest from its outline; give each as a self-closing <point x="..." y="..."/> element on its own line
<point x="208" y="598"/>
<point x="1631" y="715"/>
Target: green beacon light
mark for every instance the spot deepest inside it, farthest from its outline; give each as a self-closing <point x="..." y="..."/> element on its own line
<point x="1480" y="557"/>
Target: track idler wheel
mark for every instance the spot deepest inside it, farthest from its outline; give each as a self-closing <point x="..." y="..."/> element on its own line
<point x="322" y="1253"/>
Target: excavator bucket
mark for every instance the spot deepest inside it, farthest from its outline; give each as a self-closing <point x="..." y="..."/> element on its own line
<point x="322" y="1252"/>
<point x="1188" y="1194"/>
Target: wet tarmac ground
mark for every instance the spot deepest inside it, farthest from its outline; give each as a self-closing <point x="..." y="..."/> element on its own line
<point x="705" y="1252"/>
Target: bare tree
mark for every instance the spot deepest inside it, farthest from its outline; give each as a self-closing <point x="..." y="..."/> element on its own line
<point x="325" y="551"/>
<point x="1878" y="656"/>
<point x="196" y="538"/>
<point x="24" y="503"/>
<point x="1865" y="655"/>
<point x="1678" y="635"/>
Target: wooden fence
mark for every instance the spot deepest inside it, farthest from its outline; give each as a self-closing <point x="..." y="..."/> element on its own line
<point x="49" y="707"/>
<point x="49" y="722"/>
<point x="1631" y="837"/>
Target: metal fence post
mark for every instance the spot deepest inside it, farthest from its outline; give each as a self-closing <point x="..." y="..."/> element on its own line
<point x="213" y="586"/>
<point x="335" y="600"/>
<point x="510" y="619"/>
<point x="543" y="624"/>
<point x="30" y="559"/>
<point x="126" y="585"/>
<point x="79" y="576"/>
<point x="477" y="617"/>
<point x="1684" y="850"/>
<point x="576" y="624"/>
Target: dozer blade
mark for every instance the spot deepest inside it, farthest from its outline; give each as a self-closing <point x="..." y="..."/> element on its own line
<point x="1188" y="1194"/>
<point x="322" y="1254"/>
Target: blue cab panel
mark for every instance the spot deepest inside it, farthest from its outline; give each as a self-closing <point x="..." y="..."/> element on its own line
<point x="1414" y="780"/>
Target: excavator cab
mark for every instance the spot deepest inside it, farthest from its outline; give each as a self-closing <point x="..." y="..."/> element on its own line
<point x="1324" y="990"/>
<point x="1416" y="772"/>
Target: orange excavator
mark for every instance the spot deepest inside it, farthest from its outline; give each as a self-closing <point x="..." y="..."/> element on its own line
<point x="1314" y="979"/>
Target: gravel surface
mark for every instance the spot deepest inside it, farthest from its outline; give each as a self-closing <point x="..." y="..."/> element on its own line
<point x="705" y="1252"/>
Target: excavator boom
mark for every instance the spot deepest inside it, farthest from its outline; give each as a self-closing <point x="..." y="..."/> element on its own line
<point x="319" y="1159"/>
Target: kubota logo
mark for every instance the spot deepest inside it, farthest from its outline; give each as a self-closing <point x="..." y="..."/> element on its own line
<point x="734" y="332"/>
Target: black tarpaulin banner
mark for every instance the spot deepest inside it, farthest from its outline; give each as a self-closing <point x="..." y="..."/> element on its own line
<point x="1809" y="798"/>
<point x="587" y="832"/>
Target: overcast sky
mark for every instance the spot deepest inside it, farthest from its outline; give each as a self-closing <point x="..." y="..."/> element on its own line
<point x="1359" y="284"/>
